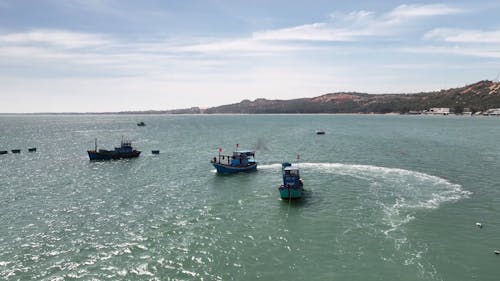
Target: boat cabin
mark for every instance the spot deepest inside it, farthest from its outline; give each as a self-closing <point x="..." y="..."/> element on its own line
<point x="242" y="158"/>
<point x="291" y="175"/>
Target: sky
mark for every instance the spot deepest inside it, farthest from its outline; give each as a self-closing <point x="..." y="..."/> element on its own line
<point x="110" y="55"/>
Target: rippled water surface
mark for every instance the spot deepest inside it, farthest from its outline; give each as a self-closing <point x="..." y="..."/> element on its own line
<point x="388" y="198"/>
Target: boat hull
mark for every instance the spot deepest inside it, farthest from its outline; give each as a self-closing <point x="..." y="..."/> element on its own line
<point x="228" y="169"/>
<point x="109" y="155"/>
<point x="290" y="193"/>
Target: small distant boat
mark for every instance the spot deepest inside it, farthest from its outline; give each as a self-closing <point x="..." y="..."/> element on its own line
<point x="240" y="161"/>
<point x="293" y="186"/>
<point x="320" y="132"/>
<point x="3" y="152"/>
<point x="155" y="151"/>
<point x="141" y="124"/>
<point x="16" y="150"/>
<point x="124" y="151"/>
<point x="33" y="149"/>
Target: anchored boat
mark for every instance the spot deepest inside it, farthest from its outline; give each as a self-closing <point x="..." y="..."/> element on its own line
<point x="124" y="151"/>
<point x="240" y="161"/>
<point x="293" y="186"/>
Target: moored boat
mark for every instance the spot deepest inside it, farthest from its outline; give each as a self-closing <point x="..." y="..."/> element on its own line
<point x="32" y="149"/>
<point x="3" y="152"/>
<point x="141" y="124"/>
<point x="320" y="132"/>
<point x="16" y="150"/>
<point x="293" y="186"/>
<point x="124" y="151"/>
<point x="240" y="161"/>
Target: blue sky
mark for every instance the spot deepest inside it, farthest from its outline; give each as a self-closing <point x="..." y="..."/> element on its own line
<point x="109" y="55"/>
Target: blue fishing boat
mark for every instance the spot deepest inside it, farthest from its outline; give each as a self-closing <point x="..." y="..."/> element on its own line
<point x="124" y="151"/>
<point x="240" y="161"/>
<point x="293" y="186"/>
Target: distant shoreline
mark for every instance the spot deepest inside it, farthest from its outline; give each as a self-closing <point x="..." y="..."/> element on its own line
<point x="479" y="98"/>
<point x="228" y="114"/>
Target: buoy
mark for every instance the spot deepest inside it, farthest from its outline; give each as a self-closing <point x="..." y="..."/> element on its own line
<point x="478" y="224"/>
<point x="497" y="252"/>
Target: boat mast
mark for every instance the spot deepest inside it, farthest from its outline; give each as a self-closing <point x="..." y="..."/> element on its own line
<point x="95" y="144"/>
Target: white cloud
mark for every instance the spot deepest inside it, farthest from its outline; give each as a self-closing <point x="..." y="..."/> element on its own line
<point x="358" y="24"/>
<point x="471" y="51"/>
<point x="307" y="32"/>
<point x="463" y="35"/>
<point x="242" y="46"/>
<point x="60" y="38"/>
<point x="429" y="10"/>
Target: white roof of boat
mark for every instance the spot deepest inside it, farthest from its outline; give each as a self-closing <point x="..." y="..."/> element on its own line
<point x="245" y="151"/>
<point x="289" y="168"/>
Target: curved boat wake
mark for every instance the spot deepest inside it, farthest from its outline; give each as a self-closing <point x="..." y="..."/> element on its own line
<point x="395" y="191"/>
<point x="370" y="201"/>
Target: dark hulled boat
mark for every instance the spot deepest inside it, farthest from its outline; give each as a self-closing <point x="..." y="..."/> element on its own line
<point x="124" y="151"/>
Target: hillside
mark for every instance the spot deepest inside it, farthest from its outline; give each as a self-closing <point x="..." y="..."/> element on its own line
<point x="477" y="97"/>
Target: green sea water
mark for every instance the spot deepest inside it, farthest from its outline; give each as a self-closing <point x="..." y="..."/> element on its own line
<point x="388" y="198"/>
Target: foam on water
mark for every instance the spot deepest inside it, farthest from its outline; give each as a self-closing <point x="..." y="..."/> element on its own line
<point x="388" y="198"/>
<point x="396" y="191"/>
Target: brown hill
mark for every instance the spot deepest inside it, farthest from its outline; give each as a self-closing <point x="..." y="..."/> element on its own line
<point x="478" y="97"/>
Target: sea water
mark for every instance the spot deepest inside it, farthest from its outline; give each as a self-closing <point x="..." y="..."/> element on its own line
<point x="387" y="198"/>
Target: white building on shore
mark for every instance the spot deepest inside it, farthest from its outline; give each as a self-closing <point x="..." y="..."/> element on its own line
<point x="493" y="112"/>
<point x="439" y="111"/>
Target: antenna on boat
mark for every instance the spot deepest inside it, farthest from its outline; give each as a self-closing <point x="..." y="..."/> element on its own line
<point x="298" y="159"/>
<point x="496" y="79"/>
<point x="95" y="144"/>
<point x="237" y="146"/>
